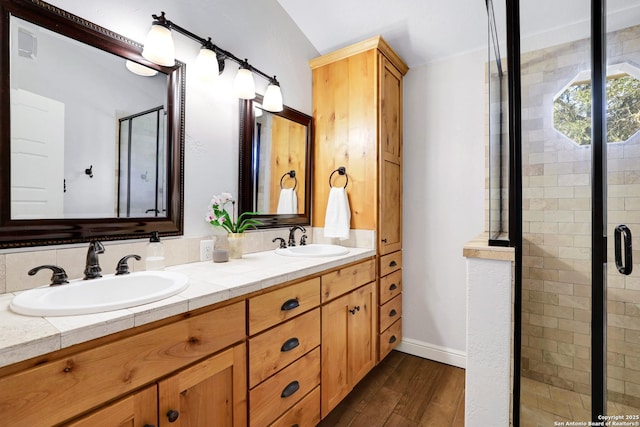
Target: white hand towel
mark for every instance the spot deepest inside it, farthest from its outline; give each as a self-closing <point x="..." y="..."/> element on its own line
<point x="288" y="201"/>
<point x="338" y="217"/>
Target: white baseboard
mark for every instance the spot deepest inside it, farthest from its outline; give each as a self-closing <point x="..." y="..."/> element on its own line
<point x="433" y="352"/>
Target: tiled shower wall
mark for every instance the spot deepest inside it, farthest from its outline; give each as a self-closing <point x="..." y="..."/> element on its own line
<point x="556" y="232"/>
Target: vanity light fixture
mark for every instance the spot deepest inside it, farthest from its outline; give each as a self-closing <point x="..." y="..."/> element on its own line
<point x="273" y="96"/>
<point x="159" y="48"/>
<point x="206" y="67"/>
<point x="140" y="69"/>
<point x="244" y="86"/>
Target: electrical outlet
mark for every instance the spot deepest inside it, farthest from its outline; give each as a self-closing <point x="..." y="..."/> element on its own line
<point x="206" y="250"/>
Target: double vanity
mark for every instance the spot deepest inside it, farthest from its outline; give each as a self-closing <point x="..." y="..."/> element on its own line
<point x="265" y="340"/>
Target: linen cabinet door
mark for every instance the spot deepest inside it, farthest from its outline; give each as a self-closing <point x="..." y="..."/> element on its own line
<point x="137" y="410"/>
<point x="211" y="393"/>
<point x="390" y="186"/>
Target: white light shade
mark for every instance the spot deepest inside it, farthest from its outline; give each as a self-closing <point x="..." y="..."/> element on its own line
<point x="140" y="69"/>
<point x="158" y="47"/>
<point x="243" y="86"/>
<point x="206" y="67"/>
<point x="272" y="98"/>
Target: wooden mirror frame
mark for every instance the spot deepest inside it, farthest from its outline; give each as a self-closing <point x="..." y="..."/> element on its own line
<point x="246" y="174"/>
<point x="18" y="233"/>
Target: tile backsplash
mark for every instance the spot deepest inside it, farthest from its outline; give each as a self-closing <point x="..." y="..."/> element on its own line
<point x="14" y="264"/>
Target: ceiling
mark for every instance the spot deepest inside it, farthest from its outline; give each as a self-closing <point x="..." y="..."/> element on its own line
<point x="423" y="31"/>
<point x="420" y="31"/>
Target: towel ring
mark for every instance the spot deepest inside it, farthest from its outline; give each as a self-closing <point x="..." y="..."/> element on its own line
<point x="341" y="171"/>
<point x="291" y="174"/>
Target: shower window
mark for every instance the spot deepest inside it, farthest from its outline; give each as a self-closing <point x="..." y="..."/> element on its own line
<point x="572" y="106"/>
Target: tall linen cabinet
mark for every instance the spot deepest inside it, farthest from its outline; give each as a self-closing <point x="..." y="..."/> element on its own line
<point x="357" y="113"/>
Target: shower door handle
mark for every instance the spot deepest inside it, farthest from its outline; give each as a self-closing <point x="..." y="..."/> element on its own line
<point x="622" y="237"/>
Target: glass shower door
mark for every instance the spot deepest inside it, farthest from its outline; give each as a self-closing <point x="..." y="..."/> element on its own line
<point x="623" y="212"/>
<point x="556" y="163"/>
<point x="580" y="347"/>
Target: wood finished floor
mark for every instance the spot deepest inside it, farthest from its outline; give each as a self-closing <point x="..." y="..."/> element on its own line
<point x="404" y="391"/>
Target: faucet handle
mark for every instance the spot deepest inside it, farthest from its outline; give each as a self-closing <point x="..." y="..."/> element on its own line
<point x="123" y="266"/>
<point x="97" y="246"/>
<point x="303" y="240"/>
<point x="58" y="276"/>
<point x="283" y="244"/>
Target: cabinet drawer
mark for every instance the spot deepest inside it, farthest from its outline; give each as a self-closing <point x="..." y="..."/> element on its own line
<point x="390" y="286"/>
<point x="390" y="312"/>
<point x="390" y="338"/>
<point x="273" y="350"/>
<point x="346" y="279"/>
<point x="277" y="306"/>
<point x="390" y="263"/>
<point x="304" y="413"/>
<point x="47" y="394"/>
<point x="276" y="395"/>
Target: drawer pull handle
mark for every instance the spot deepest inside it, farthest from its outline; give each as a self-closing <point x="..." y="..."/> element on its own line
<point x="290" y="389"/>
<point x="393" y="287"/>
<point x="290" y="304"/>
<point x="384" y="240"/>
<point x="393" y="312"/>
<point x="149" y="425"/>
<point x="392" y="339"/>
<point x="289" y="344"/>
<point x="393" y="264"/>
<point x="354" y="309"/>
<point x="173" y="415"/>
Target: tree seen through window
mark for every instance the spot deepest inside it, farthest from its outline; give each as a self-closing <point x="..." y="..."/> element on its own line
<point x="572" y="109"/>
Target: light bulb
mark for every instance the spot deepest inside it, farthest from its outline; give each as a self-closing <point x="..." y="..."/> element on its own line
<point x="140" y="69"/>
<point x="243" y="86"/>
<point x="159" y="47"/>
<point x="206" y="67"/>
<point x="272" y="98"/>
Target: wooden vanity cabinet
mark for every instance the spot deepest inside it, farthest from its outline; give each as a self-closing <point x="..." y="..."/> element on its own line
<point x="349" y="320"/>
<point x="73" y="383"/>
<point x="278" y="357"/>
<point x="389" y="303"/>
<point x="210" y="393"/>
<point x="357" y="113"/>
<point x="284" y="355"/>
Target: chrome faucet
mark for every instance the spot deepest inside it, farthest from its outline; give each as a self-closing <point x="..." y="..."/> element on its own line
<point x="92" y="268"/>
<point x="292" y="232"/>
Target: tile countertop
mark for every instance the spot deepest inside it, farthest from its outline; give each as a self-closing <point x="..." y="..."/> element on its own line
<point x="24" y="337"/>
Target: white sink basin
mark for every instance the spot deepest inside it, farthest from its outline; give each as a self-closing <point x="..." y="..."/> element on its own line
<point x="98" y="295"/>
<point x="313" y="250"/>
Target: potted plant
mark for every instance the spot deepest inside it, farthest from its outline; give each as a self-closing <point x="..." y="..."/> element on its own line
<point x="218" y="216"/>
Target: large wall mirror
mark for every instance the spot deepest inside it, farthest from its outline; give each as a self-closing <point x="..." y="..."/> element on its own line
<point x="91" y="134"/>
<point x="275" y="164"/>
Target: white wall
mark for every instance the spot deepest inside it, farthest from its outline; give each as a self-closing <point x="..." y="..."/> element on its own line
<point x="258" y="30"/>
<point x="489" y="332"/>
<point x="444" y="136"/>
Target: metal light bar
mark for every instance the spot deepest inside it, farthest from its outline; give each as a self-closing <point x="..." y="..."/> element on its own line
<point x="222" y="54"/>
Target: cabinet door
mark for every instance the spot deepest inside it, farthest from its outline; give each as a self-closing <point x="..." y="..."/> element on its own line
<point x="362" y="330"/>
<point x="211" y="393"/>
<point x="390" y="217"/>
<point x="348" y="343"/>
<point x="335" y="377"/>
<point x="137" y="410"/>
